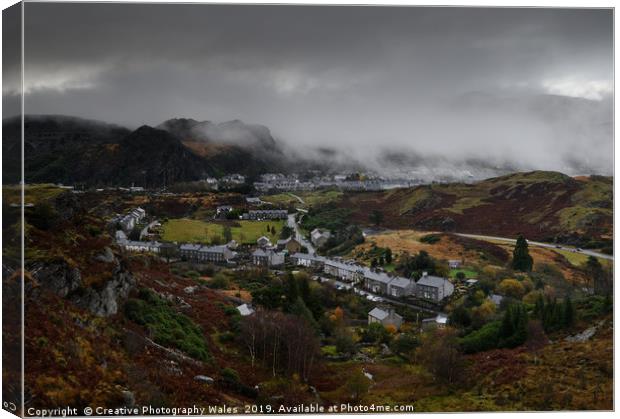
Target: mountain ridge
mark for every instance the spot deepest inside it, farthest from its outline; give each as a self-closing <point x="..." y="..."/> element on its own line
<point x="66" y="149"/>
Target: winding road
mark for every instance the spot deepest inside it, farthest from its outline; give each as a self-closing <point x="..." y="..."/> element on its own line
<point x="540" y="244"/>
<point x="298" y="236"/>
<point x="297" y="197"/>
<point x="145" y="230"/>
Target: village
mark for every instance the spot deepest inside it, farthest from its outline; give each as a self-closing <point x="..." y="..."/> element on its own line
<point x="311" y="181"/>
<point x="278" y="208"/>
<point x="216" y="277"/>
<point x="275" y="182"/>
<point x="294" y="253"/>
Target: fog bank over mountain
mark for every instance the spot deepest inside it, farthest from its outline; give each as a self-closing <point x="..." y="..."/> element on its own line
<point x="453" y="89"/>
<point x="477" y="134"/>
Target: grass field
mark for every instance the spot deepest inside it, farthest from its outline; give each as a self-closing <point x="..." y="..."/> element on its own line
<point x="575" y="258"/>
<point x="409" y="241"/>
<point x="33" y="193"/>
<point x="309" y="197"/>
<point x="196" y="231"/>
<point x="578" y="259"/>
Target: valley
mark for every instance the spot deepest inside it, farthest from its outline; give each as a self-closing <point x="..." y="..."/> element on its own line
<point x="169" y="291"/>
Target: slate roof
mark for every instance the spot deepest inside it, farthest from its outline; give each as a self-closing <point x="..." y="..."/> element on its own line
<point x="378" y="313"/>
<point x="377" y="276"/>
<point x="190" y="246"/>
<point x="343" y="265"/>
<point x="432" y="281"/>
<point x="308" y="256"/>
<point x="216" y="249"/>
<point x="399" y="281"/>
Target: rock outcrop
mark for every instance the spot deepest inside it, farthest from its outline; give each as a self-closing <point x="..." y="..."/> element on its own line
<point x="66" y="281"/>
<point x="105" y="301"/>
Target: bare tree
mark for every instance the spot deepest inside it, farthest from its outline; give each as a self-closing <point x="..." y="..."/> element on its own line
<point x="440" y="355"/>
<point x="284" y="342"/>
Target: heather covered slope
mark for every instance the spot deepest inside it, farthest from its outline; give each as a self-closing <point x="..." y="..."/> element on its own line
<point x="106" y="327"/>
<point x="541" y="205"/>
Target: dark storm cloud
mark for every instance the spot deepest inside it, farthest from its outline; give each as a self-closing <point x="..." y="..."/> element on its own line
<point x="377" y="77"/>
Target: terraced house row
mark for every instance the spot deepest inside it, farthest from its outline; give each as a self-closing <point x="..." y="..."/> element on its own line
<point x="428" y="287"/>
<point x="200" y="253"/>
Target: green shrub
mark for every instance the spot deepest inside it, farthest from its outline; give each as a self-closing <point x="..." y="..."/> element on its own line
<point x="192" y="274"/>
<point x="230" y="376"/>
<point x="376" y="333"/>
<point x="219" y="281"/>
<point x="344" y="343"/>
<point x="166" y="326"/>
<point x="483" y="339"/>
<point x="231" y="311"/>
<point x="430" y="238"/>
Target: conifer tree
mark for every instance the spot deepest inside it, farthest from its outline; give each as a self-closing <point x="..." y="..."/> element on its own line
<point x="568" y="319"/>
<point x="521" y="259"/>
<point x="291" y="290"/>
<point x="513" y="330"/>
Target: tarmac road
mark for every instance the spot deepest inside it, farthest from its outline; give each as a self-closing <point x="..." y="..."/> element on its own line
<point x="298" y="236"/>
<point x="540" y="244"/>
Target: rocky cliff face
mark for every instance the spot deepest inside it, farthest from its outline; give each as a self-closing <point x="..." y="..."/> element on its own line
<point x="105" y="301"/>
<point x="66" y="281"/>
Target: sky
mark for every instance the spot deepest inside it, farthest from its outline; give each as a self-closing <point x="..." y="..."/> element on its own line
<point x="529" y="87"/>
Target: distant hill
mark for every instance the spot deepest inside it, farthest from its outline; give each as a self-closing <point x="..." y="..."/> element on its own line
<point x="73" y="150"/>
<point x="230" y="147"/>
<point x="541" y="205"/>
<point x="70" y="150"/>
<point x="56" y="146"/>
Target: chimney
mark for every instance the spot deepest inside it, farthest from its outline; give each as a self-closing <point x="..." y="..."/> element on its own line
<point x="424" y="273"/>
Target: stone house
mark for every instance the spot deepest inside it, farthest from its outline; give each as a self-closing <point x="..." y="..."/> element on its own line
<point x="385" y="316"/>
<point x="433" y="288"/>
<point x="267" y="258"/>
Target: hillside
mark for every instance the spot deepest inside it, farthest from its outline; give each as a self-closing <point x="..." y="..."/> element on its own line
<point x="229" y="147"/>
<point x="62" y="149"/>
<point x="57" y="148"/>
<point x="542" y="205"/>
<point x="109" y="327"/>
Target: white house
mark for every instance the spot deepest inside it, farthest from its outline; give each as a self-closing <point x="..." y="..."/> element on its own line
<point x="267" y="258"/>
<point x="275" y="214"/>
<point x="307" y="260"/>
<point x="129" y="221"/>
<point x="349" y="272"/>
<point x="455" y="263"/>
<point x="438" y="321"/>
<point x="245" y="310"/>
<point x="318" y="237"/>
<point x="263" y="241"/>
<point x="138" y="246"/>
